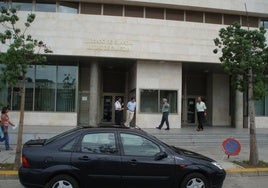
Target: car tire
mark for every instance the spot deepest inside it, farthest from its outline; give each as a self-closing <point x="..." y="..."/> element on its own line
<point x="62" y="181"/>
<point x="194" y="180"/>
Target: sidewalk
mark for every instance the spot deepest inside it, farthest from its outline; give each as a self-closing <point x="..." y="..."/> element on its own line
<point x="207" y="142"/>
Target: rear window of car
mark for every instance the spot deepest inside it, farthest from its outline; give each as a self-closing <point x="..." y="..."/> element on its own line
<point x="59" y="136"/>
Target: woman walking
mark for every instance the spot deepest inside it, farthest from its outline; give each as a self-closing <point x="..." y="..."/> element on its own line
<point x="5" y="122"/>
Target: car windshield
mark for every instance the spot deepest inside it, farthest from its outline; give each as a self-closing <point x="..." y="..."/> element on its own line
<point x="60" y="135"/>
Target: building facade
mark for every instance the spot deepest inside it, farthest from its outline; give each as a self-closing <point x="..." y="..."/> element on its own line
<point x="147" y="49"/>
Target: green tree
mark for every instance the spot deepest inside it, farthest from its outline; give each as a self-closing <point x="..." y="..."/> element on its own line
<point x="20" y="51"/>
<point x="244" y="58"/>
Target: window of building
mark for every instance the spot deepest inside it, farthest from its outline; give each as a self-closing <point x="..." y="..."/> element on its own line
<point x="261" y="106"/>
<point x="67" y="7"/>
<point x="29" y="89"/>
<point x="112" y="10"/>
<point x="45" y="6"/>
<point x="91" y="8"/>
<point x="173" y="14"/>
<point x="250" y="21"/>
<point x="23" y="5"/>
<point x="230" y="19"/>
<point x="155" y="13"/>
<point x="151" y="100"/>
<point x="66" y="88"/>
<point x="48" y="88"/>
<point x="264" y="23"/>
<point x="4" y="4"/>
<point x="45" y="88"/>
<point x="194" y="16"/>
<point x="214" y="18"/>
<point x="134" y="11"/>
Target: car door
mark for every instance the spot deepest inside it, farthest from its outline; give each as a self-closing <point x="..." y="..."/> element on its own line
<point x="97" y="160"/>
<point x="140" y="167"/>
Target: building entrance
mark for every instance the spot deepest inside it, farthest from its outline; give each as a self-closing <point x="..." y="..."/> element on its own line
<point x="108" y="111"/>
<point x="189" y="111"/>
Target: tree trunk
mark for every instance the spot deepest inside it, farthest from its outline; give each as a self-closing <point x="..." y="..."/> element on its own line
<point x="253" y="157"/>
<point x="20" y="131"/>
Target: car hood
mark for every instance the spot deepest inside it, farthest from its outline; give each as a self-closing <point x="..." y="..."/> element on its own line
<point x="190" y="154"/>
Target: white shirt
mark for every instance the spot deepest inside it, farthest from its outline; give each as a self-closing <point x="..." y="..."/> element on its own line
<point x="201" y="106"/>
<point x="117" y="105"/>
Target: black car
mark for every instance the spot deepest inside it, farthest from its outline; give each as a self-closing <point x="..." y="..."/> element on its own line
<point x="114" y="157"/>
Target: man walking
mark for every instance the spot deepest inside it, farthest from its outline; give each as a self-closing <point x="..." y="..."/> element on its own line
<point x="165" y="113"/>
<point x="201" y="113"/>
<point x="131" y="106"/>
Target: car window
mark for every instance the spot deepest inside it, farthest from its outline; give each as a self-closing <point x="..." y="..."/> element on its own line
<point x="138" y="146"/>
<point x="99" y="143"/>
<point x="70" y="145"/>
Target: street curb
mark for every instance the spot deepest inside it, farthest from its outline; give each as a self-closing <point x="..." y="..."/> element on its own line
<point x="248" y="171"/>
<point x="8" y="174"/>
<point x="13" y="174"/>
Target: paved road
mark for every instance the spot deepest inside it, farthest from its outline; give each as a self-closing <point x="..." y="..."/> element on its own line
<point x="230" y="182"/>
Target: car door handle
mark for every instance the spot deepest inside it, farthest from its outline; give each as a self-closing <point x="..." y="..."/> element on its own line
<point x="84" y="158"/>
<point x="133" y="162"/>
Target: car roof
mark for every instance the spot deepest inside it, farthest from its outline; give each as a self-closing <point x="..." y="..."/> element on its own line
<point x="113" y="127"/>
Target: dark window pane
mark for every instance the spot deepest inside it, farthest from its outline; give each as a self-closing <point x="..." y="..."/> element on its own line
<point x="45" y="6"/>
<point x="23" y="5"/>
<point x="112" y="10"/>
<point x="230" y="19"/>
<point x="171" y="97"/>
<point x="172" y="14"/>
<point x="4" y="94"/>
<point x="134" y="11"/>
<point x="264" y="24"/>
<point x="4" y="4"/>
<point x="250" y="21"/>
<point x="194" y="16"/>
<point x="149" y="101"/>
<point x="45" y="86"/>
<point x="30" y="78"/>
<point x="156" y="13"/>
<point x="214" y="18"/>
<point x="90" y="8"/>
<point x="66" y="7"/>
<point x="66" y="88"/>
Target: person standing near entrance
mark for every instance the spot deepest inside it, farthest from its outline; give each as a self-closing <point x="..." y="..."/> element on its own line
<point x="118" y="111"/>
<point x="165" y="113"/>
<point x="201" y="113"/>
<point x="131" y="106"/>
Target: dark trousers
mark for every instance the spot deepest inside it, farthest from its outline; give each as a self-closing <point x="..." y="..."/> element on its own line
<point x="200" y="118"/>
<point x="118" y="117"/>
<point x="164" y="119"/>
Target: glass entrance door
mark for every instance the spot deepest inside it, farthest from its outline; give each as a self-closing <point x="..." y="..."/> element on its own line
<point x="191" y="110"/>
<point x="108" y="112"/>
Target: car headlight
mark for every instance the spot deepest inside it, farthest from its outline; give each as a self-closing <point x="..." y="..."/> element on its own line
<point x="217" y="165"/>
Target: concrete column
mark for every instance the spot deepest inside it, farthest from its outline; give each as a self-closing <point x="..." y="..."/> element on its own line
<point x="93" y="94"/>
<point x="238" y="109"/>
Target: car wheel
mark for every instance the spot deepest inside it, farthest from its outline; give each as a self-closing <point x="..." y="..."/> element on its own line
<point x="62" y="181"/>
<point x="194" y="180"/>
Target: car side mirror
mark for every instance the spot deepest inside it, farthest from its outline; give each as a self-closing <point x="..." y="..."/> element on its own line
<point x="161" y="155"/>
